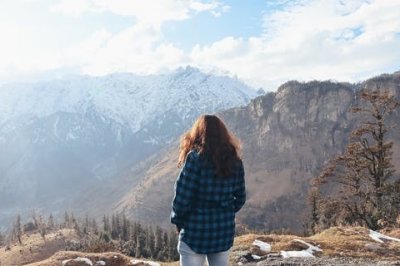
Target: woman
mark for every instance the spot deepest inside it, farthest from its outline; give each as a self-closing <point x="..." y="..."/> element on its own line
<point x="209" y="190"/>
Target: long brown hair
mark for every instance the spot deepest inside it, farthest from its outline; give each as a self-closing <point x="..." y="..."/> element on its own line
<point x="211" y="139"/>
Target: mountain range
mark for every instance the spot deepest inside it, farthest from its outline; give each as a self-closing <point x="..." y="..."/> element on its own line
<point x="96" y="145"/>
<point x="287" y="137"/>
<point x="65" y="144"/>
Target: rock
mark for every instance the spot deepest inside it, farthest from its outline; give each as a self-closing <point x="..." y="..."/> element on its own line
<point x="257" y="251"/>
<point x="274" y="255"/>
<point x="375" y="247"/>
<point x="78" y="262"/>
<point x="262" y="246"/>
<point x="248" y="258"/>
<point x="144" y="263"/>
<point x="242" y="260"/>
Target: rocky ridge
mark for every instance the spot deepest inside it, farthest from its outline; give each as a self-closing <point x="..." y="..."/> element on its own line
<point x="287" y="137"/>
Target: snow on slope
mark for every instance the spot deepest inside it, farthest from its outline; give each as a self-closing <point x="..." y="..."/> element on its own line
<point x="126" y="98"/>
<point x="378" y="237"/>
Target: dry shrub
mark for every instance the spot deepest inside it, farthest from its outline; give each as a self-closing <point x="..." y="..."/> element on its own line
<point x="99" y="247"/>
<point x="394" y="233"/>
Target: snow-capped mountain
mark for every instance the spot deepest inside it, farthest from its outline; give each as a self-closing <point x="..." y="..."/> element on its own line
<point x="126" y="98"/>
<point x="59" y="137"/>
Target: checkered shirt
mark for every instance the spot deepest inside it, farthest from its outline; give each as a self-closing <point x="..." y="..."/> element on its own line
<point x="204" y="206"/>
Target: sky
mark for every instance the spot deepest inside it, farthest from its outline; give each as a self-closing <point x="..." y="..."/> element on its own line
<point x="262" y="42"/>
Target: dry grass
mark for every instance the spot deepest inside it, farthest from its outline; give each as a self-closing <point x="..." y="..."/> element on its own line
<point x="278" y="242"/>
<point x="36" y="252"/>
<point x="394" y="233"/>
<point x="110" y="258"/>
<point x="335" y="242"/>
<point x="176" y="263"/>
<point x="34" y="248"/>
<point x="355" y="242"/>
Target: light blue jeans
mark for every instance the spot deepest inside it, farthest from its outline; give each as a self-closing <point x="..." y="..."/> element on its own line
<point x="190" y="258"/>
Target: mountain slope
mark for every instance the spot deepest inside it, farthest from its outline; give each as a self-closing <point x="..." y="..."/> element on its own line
<point x="63" y="140"/>
<point x="287" y="138"/>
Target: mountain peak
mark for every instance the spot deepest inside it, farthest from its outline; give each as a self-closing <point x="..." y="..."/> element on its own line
<point x="188" y="70"/>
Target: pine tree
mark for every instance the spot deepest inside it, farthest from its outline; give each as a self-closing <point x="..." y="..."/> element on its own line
<point x="150" y="241"/>
<point x="2" y="239"/>
<point x="158" y="243"/>
<point x="18" y="229"/>
<point x="114" y="229"/>
<point x="94" y="227"/>
<point x="67" y="220"/>
<point x="165" y="250"/>
<point x="172" y="243"/>
<point x="136" y="230"/>
<point x="139" y="246"/>
<point x="50" y="223"/>
<point x="125" y="234"/>
<point x="76" y="226"/>
<point x="86" y="225"/>
<point x="118" y="226"/>
<point x="105" y="236"/>
<point x="35" y="219"/>
<point x="106" y="223"/>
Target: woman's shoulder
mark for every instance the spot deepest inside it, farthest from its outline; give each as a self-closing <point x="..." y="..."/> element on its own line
<point x="201" y="160"/>
<point x="192" y="156"/>
<point x="239" y="162"/>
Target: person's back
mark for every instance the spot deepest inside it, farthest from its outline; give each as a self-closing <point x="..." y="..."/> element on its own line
<point x="208" y="192"/>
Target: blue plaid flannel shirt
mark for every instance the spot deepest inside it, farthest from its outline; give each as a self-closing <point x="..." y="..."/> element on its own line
<point x="204" y="206"/>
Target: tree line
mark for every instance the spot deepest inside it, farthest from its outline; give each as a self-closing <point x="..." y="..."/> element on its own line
<point x="113" y="233"/>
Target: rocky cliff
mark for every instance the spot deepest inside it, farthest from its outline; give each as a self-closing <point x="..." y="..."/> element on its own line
<point x="287" y="137"/>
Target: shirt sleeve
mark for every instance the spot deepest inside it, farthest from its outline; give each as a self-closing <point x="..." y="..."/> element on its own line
<point x="185" y="190"/>
<point x="240" y="190"/>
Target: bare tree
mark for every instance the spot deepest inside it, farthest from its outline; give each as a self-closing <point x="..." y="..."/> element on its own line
<point x="367" y="190"/>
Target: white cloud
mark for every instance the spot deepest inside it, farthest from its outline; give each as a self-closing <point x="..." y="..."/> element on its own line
<point x="17" y="54"/>
<point x="313" y="40"/>
<point x="139" y="49"/>
<point x="154" y="12"/>
<point x="72" y="7"/>
<point x="343" y="40"/>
